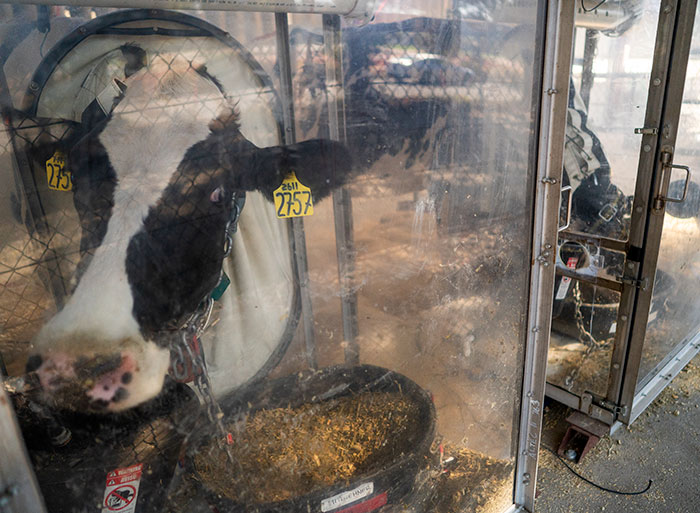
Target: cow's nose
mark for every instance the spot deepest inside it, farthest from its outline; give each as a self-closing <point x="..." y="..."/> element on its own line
<point x="98" y="380"/>
<point x="110" y="383"/>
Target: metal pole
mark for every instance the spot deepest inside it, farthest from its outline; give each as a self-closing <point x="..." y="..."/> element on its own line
<point x="342" y="201"/>
<point x="298" y="235"/>
<point x="558" y="37"/>
<point x="19" y="490"/>
<point x="589" y="50"/>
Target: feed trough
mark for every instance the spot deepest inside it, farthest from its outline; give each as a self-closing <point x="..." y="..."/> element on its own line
<point x="319" y="441"/>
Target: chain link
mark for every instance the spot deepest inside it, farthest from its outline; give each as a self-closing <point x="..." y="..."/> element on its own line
<point x="585" y="336"/>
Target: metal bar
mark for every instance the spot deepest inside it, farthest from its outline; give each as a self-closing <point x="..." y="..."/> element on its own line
<point x="286" y="94"/>
<point x="587" y="78"/>
<point x="342" y="200"/>
<point x="352" y="8"/>
<point x="574" y="401"/>
<point x="646" y="395"/>
<point x="19" y="490"/>
<point x="674" y="36"/>
<point x="558" y="34"/>
<point x="603" y="242"/>
<point x="593" y="280"/>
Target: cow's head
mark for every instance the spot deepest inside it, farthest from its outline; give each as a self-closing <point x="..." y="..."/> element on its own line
<point x="153" y="186"/>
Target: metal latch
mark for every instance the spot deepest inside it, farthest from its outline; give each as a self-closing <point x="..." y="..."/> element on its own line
<point x="646" y="131"/>
<point x="615" y="408"/>
<point x="640" y="284"/>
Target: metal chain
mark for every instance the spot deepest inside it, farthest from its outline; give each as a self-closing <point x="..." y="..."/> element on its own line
<point x="585" y="336"/>
<point x="192" y="330"/>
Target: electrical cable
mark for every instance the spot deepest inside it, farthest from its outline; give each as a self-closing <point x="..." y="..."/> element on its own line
<point x="593" y="8"/>
<point x="609" y="490"/>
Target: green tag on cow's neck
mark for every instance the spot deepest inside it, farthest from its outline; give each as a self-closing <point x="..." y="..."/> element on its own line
<point x="219" y="290"/>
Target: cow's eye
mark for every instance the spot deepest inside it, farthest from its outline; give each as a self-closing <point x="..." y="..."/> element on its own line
<point x="217" y="195"/>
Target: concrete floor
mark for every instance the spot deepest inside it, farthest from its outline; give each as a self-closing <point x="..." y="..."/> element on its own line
<point x="663" y="445"/>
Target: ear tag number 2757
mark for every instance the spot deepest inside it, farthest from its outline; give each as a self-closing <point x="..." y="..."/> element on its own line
<point x="293" y="199"/>
<point x="56" y="173"/>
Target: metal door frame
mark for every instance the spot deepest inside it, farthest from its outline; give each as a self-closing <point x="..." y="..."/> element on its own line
<point x="554" y="87"/>
<point x="668" y="81"/>
<point x="620" y="405"/>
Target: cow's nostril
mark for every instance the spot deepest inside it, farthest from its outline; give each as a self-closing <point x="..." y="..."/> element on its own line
<point x="121" y="393"/>
<point x="34" y="362"/>
<point x="127" y="377"/>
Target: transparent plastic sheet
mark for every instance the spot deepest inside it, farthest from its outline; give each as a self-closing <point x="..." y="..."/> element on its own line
<point x="584" y="322"/>
<point x="613" y="52"/>
<point x="438" y="126"/>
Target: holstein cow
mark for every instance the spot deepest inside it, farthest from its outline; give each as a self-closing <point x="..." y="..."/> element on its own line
<point x="153" y="185"/>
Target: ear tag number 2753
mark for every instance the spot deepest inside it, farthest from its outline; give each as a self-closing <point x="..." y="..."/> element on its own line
<point x="56" y="173"/>
<point x="293" y="199"/>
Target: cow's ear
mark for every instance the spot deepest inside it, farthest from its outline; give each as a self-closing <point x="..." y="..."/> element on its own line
<point x="322" y="165"/>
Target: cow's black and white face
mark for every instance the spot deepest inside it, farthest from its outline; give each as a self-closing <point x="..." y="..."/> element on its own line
<point x="153" y="188"/>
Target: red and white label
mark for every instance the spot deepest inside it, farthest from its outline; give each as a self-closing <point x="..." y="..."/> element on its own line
<point x="122" y="489"/>
<point x="345" y="498"/>
<point x="565" y="280"/>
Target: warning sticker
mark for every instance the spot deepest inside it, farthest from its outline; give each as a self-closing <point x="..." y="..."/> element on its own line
<point x="566" y="281"/>
<point x="122" y="489"/>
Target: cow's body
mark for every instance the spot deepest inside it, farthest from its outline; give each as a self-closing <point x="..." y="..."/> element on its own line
<point x="153" y="188"/>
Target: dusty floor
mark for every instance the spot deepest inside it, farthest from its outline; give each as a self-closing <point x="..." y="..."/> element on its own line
<point x="663" y="445"/>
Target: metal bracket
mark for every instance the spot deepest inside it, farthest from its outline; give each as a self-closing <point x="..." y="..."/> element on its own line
<point x="613" y="407"/>
<point x="640" y="284"/>
<point x="646" y="131"/>
<point x="545" y="256"/>
<point x="586" y="404"/>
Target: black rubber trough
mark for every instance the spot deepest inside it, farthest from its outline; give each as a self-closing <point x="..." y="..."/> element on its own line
<point x="389" y="479"/>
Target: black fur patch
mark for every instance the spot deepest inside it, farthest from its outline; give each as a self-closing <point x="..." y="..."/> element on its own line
<point x="174" y="261"/>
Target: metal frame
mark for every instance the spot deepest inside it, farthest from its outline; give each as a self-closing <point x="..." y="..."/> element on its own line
<point x="19" y="490"/>
<point x="664" y="98"/>
<point x="553" y="107"/>
<point x="342" y="200"/>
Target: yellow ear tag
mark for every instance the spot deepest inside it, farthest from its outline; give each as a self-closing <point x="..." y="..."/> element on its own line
<point x="293" y="199"/>
<point x="56" y="174"/>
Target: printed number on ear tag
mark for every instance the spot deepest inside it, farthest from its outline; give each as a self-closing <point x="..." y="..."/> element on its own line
<point x="57" y="175"/>
<point x="293" y="199"/>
